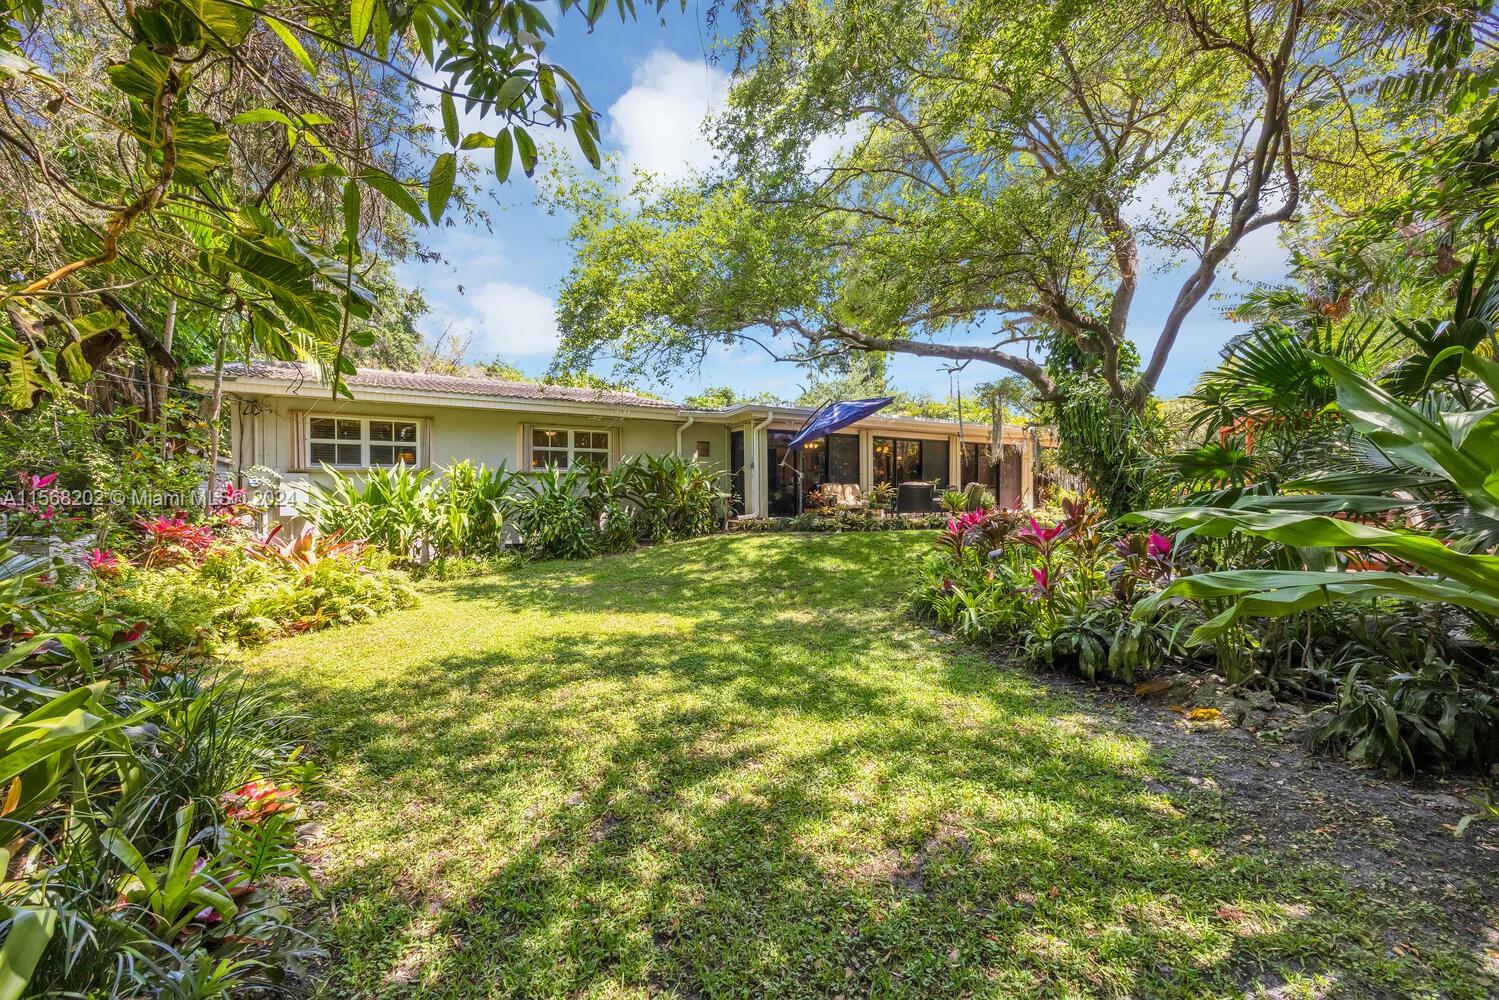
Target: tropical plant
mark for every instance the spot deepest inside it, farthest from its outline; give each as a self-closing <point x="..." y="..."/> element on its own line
<point x="880" y="496"/>
<point x="676" y="497"/>
<point x="247" y="594"/>
<point x="1455" y="450"/>
<point x="953" y="501"/>
<point x="386" y="507"/>
<point x="227" y="165"/>
<point x="553" y="516"/>
<point x="469" y="504"/>
<point x="127" y="872"/>
<point x="1058" y="591"/>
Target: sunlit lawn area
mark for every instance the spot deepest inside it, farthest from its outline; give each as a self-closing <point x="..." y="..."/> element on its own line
<point x="734" y="767"/>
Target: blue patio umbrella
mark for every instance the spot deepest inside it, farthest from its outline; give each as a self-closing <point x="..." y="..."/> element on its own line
<point x="826" y="419"/>
<point x="830" y="417"/>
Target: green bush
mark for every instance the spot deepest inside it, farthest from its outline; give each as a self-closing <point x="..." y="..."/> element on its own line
<point x="553" y="513"/>
<point x="234" y="597"/>
<point x="121" y="465"/>
<point x="553" y="516"/>
<point x="843" y="520"/>
<point x="152" y="803"/>
<point x="1438" y="715"/>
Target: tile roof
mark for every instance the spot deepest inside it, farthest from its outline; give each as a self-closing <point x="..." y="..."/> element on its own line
<point x="379" y="378"/>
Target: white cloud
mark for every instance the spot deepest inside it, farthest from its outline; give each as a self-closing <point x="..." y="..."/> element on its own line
<point x="658" y="122"/>
<point x="505" y="319"/>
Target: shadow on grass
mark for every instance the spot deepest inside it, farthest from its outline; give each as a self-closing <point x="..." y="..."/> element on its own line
<point x="731" y="768"/>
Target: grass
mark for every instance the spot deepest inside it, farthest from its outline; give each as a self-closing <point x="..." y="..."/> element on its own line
<point x="733" y="767"/>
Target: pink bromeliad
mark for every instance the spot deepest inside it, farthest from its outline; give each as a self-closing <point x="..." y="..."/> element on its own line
<point x="1158" y="545"/>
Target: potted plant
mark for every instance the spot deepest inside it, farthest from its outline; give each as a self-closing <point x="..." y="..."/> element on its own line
<point x="879" y="498"/>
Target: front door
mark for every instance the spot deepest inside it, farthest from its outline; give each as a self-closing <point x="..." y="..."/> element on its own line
<point x="736" y="472"/>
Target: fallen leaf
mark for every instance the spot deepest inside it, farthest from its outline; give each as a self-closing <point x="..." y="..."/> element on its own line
<point x="1230" y="913"/>
<point x="1203" y="714"/>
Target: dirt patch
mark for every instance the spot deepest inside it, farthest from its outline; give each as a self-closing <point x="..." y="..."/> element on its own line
<point x="1390" y="838"/>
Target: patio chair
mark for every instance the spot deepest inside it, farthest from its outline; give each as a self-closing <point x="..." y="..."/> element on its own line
<point x="849" y="496"/>
<point x="916" y="498"/>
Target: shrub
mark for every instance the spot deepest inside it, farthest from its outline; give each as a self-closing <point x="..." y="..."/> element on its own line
<point x="387" y="508"/>
<point x="675" y="497"/>
<point x="1062" y="592"/>
<point x="553" y="515"/>
<point x="238" y="595"/>
<point x="843" y="520"/>
<point x="133" y="869"/>
<point x="1407" y="722"/>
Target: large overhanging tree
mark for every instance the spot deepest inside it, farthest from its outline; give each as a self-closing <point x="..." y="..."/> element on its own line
<point x="231" y="168"/>
<point x="1008" y="174"/>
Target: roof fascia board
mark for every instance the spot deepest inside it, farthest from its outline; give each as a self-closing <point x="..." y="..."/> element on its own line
<point x="426" y="397"/>
<point x="314" y="392"/>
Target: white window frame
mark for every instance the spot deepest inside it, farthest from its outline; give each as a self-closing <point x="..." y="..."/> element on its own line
<point x="365" y="442"/>
<point x="572" y="451"/>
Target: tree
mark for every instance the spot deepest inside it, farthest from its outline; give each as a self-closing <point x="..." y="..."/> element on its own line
<point x="1009" y="171"/>
<point x="1009" y="392"/>
<point x="722" y="397"/>
<point x="394" y="341"/>
<point x="239" y="163"/>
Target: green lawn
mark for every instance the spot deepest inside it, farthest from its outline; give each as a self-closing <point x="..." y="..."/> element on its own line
<point x="734" y="767"/>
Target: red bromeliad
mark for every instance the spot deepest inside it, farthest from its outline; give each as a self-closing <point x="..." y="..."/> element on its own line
<point x="172" y="539"/>
<point x="104" y="562"/>
<point x="255" y="800"/>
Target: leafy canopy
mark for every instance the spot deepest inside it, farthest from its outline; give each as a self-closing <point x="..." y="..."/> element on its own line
<point x="1005" y="175"/>
<point x="245" y="162"/>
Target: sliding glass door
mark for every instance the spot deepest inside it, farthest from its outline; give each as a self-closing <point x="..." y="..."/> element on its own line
<point x="1002" y="478"/>
<point x="905" y="460"/>
<point x="831" y="459"/>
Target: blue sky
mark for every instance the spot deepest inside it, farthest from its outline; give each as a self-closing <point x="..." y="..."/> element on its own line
<point x="653" y="83"/>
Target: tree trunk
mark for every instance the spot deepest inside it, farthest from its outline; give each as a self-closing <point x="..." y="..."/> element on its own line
<point x="158" y="378"/>
<point x="215" y="411"/>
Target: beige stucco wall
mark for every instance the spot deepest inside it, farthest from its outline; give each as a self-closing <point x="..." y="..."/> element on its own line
<point x="265" y="432"/>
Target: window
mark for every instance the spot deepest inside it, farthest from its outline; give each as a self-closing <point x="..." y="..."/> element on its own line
<point x="566" y="448"/>
<point x="898" y="460"/>
<point x="934" y="462"/>
<point x="361" y="442"/>
<point x="843" y="458"/>
<point x="701" y="452"/>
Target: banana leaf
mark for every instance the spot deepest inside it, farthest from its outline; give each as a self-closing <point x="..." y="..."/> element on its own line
<point x="1319" y="531"/>
<point x="1464" y="451"/>
<point x="1276" y="593"/>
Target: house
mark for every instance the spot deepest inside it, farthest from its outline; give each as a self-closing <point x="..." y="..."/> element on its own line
<point x="284" y="419"/>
